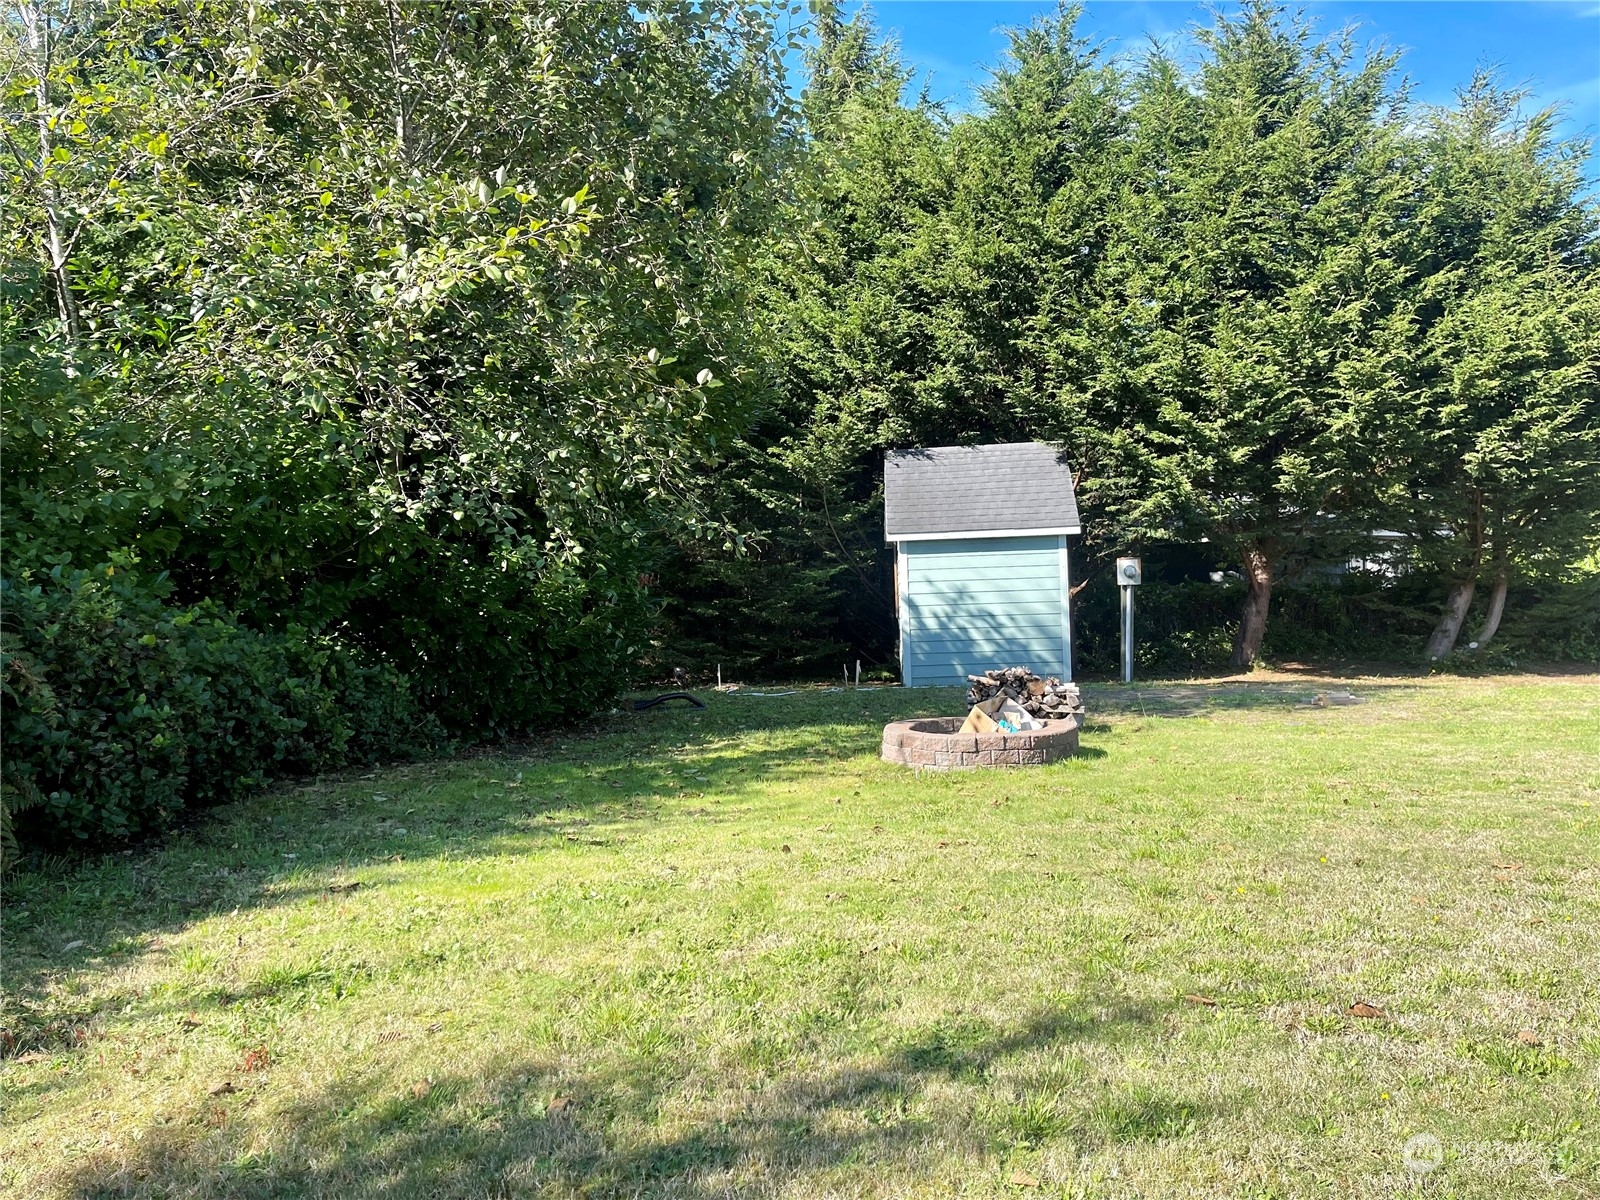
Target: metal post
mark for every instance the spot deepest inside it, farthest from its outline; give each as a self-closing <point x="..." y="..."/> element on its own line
<point x="1129" y="576"/>
<point x="1127" y="634"/>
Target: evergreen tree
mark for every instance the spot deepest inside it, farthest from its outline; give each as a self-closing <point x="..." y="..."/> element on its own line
<point x="850" y="310"/>
<point x="1502" y="413"/>
<point x="1249" y="273"/>
<point x="1043" y="168"/>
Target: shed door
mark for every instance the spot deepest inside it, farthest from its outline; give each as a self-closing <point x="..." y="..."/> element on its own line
<point x="968" y="605"/>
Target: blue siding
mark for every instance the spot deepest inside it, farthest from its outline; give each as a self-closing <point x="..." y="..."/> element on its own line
<point x="970" y="604"/>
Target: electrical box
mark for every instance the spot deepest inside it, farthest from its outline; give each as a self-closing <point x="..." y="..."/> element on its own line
<point x="1128" y="572"/>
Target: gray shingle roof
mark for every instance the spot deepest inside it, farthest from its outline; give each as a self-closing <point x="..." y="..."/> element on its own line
<point x="1022" y="486"/>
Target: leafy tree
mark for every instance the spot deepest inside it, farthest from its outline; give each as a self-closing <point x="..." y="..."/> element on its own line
<point x="387" y="332"/>
<point x="410" y="320"/>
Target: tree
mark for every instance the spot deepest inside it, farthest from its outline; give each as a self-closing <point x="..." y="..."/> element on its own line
<point x="850" y="311"/>
<point x="921" y="304"/>
<point x="1259" y="211"/>
<point x="1504" y="438"/>
<point x="1252" y="299"/>
<point x="406" y="320"/>
<point x="1043" y="169"/>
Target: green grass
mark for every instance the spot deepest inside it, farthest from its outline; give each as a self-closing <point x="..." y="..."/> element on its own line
<point x="732" y="953"/>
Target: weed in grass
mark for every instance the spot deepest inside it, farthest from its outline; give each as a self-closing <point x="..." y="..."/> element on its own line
<point x="1142" y="1113"/>
<point x="1512" y="1059"/>
<point x="1035" y="1119"/>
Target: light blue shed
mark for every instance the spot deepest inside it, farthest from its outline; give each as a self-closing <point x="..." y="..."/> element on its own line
<point x="981" y="573"/>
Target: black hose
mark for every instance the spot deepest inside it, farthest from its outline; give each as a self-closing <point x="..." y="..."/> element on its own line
<point x="641" y="705"/>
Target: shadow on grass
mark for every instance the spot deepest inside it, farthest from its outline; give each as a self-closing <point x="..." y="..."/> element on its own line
<point x="952" y="1095"/>
<point x="1201" y="699"/>
<point x="582" y="789"/>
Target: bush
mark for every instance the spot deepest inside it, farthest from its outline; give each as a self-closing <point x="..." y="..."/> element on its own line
<point x="1556" y="619"/>
<point x="121" y="710"/>
<point x="1176" y="625"/>
<point x="500" y="654"/>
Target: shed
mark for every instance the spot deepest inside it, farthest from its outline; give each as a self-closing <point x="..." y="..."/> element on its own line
<point x="981" y="577"/>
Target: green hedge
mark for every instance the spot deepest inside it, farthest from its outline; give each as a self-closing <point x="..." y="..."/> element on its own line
<point x="120" y="709"/>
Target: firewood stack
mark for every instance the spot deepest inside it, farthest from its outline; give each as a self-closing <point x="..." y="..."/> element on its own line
<point x="1047" y="699"/>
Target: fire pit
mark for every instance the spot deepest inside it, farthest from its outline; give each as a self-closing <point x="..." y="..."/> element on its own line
<point x="937" y="743"/>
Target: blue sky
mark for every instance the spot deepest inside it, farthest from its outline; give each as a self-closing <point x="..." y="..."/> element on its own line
<point x="1551" y="46"/>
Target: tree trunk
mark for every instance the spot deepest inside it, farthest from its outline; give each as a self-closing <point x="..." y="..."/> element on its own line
<point x="1443" y="639"/>
<point x="1497" y="608"/>
<point x="1253" y="620"/>
<point x="1445" y="633"/>
<point x="36" y="21"/>
<point x="404" y="135"/>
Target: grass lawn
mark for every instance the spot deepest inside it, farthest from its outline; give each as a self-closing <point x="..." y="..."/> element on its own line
<point x="732" y="953"/>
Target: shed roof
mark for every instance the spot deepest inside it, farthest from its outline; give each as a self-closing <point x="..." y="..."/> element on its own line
<point x="1015" y="489"/>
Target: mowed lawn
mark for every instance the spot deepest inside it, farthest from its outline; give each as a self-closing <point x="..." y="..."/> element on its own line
<point x="731" y="953"/>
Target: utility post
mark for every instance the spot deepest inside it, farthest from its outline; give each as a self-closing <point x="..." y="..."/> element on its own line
<point x="1128" y="578"/>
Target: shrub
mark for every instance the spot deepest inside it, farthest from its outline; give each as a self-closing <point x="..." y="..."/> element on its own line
<point x="120" y="709"/>
<point x="499" y="653"/>
<point x="1176" y="625"/>
<point x="764" y="614"/>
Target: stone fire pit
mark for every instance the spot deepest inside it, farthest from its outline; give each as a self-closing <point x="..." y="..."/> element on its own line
<point x="933" y="742"/>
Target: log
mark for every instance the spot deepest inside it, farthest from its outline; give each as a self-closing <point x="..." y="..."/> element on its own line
<point x="1042" y="698"/>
